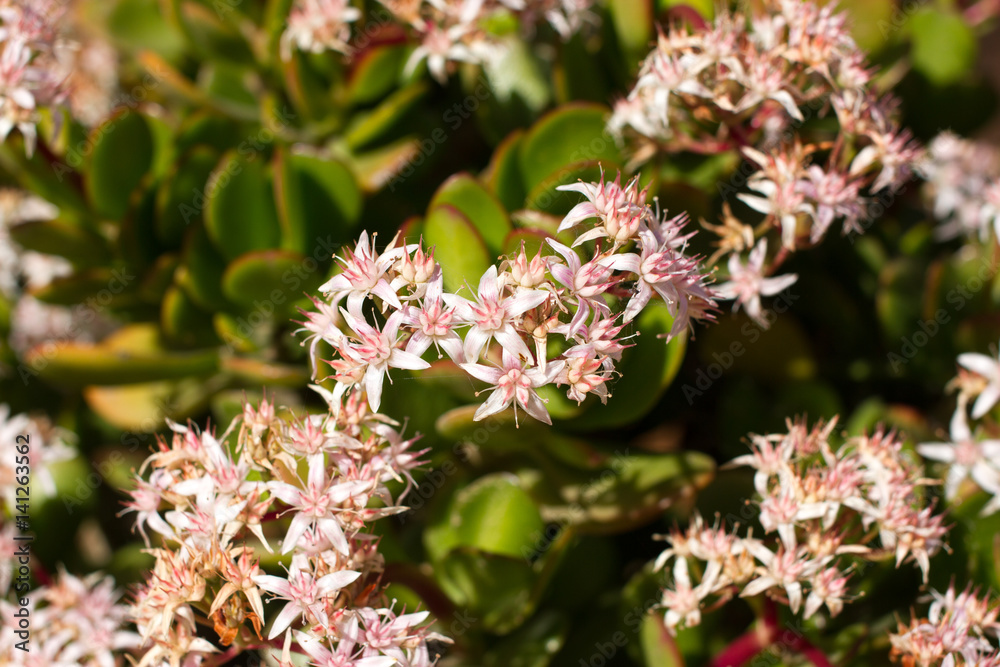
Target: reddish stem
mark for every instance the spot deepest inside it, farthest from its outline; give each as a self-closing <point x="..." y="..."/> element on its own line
<point x="764" y="635"/>
<point x="741" y="649"/>
<point x="688" y="14"/>
<point x="42" y="575"/>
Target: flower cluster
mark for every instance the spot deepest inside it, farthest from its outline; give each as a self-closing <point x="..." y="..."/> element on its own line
<point x="30" y="74"/>
<point x="751" y="84"/>
<point x="16" y="264"/>
<point x="315" y="26"/>
<point x="459" y="30"/>
<point x="448" y="30"/>
<point x="315" y="483"/>
<point x="517" y="306"/>
<point x="46" y="446"/>
<point x="954" y="632"/>
<point x="827" y="505"/>
<point x="74" y="621"/>
<point x="963" y="186"/>
<point x="969" y="456"/>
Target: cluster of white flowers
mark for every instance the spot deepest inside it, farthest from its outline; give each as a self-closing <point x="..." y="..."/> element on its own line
<point x="309" y="482"/>
<point x="827" y="505"/>
<point x="30" y="74"/>
<point x="742" y="84"/>
<point x="957" y="630"/>
<point x="963" y="186"/>
<point x="315" y="26"/>
<point x="967" y="455"/>
<point x="639" y="255"/>
<point x="16" y="264"/>
<point x="47" y="446"/>
<point x="448" y="30"/>
<point x="74" y="621"/>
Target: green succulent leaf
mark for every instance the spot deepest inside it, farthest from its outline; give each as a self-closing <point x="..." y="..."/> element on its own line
<point x="376" y="72"/>
<point x="493" y="515"/>
<point x="77" y="364"/>
<point x="633" y="23"/>
<point x="208" y="33"/>
<point x="138" y="25"/>
<point x="503" y="175"/>
<point x="495" y="588"/>
<point x="181" y="192"/>
<point x="369" y="127"/>
<point x="944" y="46"/>
<point x="546" y="196"/>
<point x="257" y="373"/>
<point x="458" y="246"/>
<point x="481" y="208"/>
<point x="266" y="277"/>
<point x="659" y="648"/>
<point x="95" y="289"/>
<point x="317" y="199"/>
<point x="201" y="270"/>
<point x="572" y="134"/>
<point x="205" y="128"/>
<point x="633" y="490"/>
<point x="183" y="322"/>
<point x="240" y="213"/>
<point x="57" y="237"/>
<point x="122" y="153"/>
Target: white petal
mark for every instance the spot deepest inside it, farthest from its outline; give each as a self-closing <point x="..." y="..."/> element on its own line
<point x="986" y="400"/>
<point x="980" y="363"/>
<point x="284" y="619"/>
<point x="335" y="581"/>
<point x="937" y="451"/>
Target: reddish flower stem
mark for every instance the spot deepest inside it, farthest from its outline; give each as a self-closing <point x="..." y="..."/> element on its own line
<point x="741" y="649"/>
<point x="764" y="635"/>
<point x="688" y="14"/>
<point x="41" y="574"/>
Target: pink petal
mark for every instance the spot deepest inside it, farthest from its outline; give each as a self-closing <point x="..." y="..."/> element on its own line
<point x="490" y="374"/>
<point x="494" y="404"/>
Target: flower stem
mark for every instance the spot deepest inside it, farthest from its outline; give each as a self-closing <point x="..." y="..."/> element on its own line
<point x="741" y="649"/>
<point x="764" y="635"/>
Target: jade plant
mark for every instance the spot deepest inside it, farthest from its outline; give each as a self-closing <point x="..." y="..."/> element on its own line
<point x="388" y="332"/>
